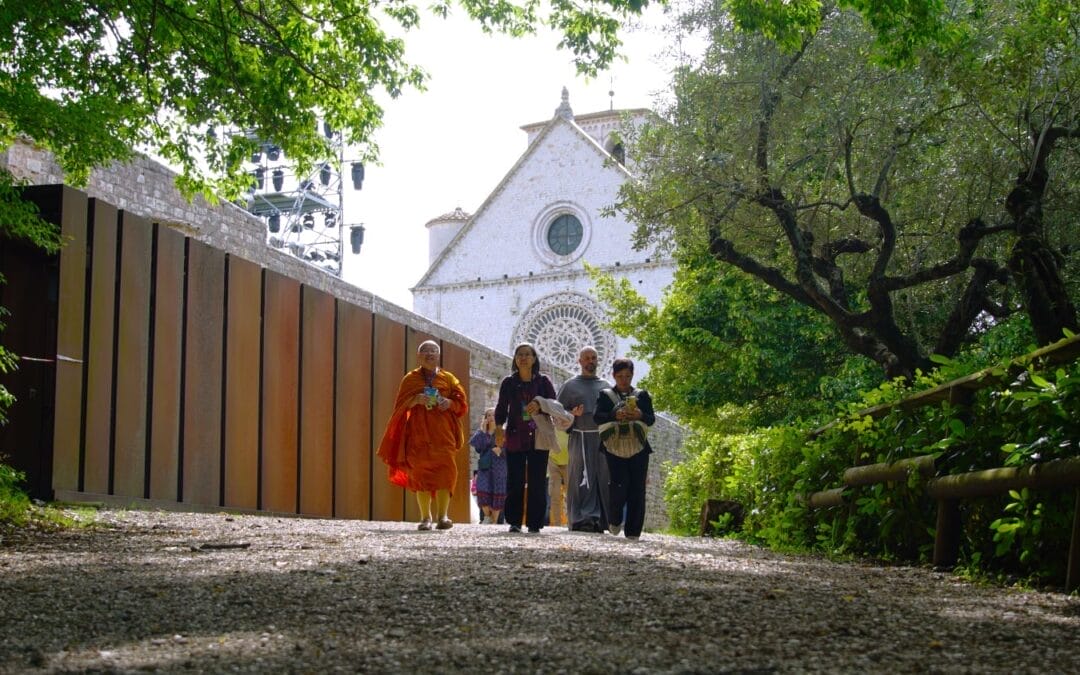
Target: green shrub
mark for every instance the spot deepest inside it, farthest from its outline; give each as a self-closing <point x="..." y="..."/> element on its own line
<point x="1033" y="418"/>
<point x="14" y="504"/>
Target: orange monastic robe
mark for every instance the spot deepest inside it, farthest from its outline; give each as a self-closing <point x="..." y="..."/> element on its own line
<point x="419" y="444"/>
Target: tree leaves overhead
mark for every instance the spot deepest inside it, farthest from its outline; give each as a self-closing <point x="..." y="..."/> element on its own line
<point x="900" y="27"/>
<point x="875" y="195"/>
<point x="93" y="81"/>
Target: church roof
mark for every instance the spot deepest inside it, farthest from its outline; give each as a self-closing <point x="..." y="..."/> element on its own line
<point x="562" y="116"/>
<point x="588" y="118"/>
<point x="449" y="217"/>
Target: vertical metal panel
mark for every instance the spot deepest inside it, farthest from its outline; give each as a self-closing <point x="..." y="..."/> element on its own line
<point x="281" y="386"/>
<point x="203" y="353"/>
<point x="354" y="453"/>
<point x="413" y="338"/>
<point x="243" y="337"/>
<point x="168" y="340"/>
<point x="317" y="405"/>
<point x="456" y="360"/>
<point x="29" y="295"/>
<point x="99" y="354"/>
<point x="71" y="321"/>
<point x="133" y="355"/>
<point x="387" y="500"/>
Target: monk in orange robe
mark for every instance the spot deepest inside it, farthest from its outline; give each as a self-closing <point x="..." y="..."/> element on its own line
<point x="424" y="434"/>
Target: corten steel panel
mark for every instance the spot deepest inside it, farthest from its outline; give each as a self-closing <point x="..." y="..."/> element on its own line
<point x="99" y="354"/>
<point x="456" y="360"/>
<point x="281" y="390"/>
<point x="67" y="422"/>
<point x="353" y="448"/>
<point x="29" y="294"/>
<point x="168" y="341"/>
<point x="203" y="358"/>
<point x="132" y="354"/>
<point x="317" y="405"/>
<point x="387" y="499"/>
<point x="244" y="335"/>
<point x="413" y="338"/>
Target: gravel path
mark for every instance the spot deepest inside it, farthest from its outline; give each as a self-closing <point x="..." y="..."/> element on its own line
<point x="185" y="593"/>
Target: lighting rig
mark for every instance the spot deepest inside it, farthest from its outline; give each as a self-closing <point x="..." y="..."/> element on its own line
<point x="304" y="213"/>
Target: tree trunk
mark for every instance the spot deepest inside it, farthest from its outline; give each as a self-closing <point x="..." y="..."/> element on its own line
<point x="1033" y="264"/>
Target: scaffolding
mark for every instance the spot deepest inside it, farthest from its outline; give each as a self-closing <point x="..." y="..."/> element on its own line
<point x="304" y="213"/>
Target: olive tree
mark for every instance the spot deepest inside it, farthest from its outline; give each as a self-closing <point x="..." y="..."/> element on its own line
<point x="872" y="193"/>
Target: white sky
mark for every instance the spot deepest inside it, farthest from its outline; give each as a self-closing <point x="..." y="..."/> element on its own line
<point x="451" y="145"/>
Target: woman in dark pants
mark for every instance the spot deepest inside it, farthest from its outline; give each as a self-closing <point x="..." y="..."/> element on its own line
<point x="524" y="461"/>
<point x="623" y="414"/>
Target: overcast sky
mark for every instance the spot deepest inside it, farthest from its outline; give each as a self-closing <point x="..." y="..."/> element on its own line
<point x="451" y="145"/>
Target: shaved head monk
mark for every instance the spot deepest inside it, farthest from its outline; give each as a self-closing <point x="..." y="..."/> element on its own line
<point x="424" y="434"/>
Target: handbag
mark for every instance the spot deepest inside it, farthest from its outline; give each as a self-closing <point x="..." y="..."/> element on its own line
<point x="484" y="462"/>
<point x="622" y="439"/>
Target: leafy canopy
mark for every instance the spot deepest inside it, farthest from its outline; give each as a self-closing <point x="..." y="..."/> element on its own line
<point x="94" y="80"/>
<point x="885" y="199"/>
<point x="721" y="341"/>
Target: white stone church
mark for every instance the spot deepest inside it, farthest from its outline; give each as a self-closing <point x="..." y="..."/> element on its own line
<point x="514" y="271"/>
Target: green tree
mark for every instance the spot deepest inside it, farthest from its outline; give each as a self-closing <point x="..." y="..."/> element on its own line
<point x="871" y="194"/>
<point x="94" y="80"/>
<point x="901" y="27"/>
<point x="719" y="340"/>
<point x="1018" y="71"/>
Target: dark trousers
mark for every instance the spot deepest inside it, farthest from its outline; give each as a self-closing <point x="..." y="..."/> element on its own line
<point x="522" y="466"/>
<point x="627" y="489"/>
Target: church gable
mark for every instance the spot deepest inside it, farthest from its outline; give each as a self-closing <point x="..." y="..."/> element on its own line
<point x="544" y="216"/>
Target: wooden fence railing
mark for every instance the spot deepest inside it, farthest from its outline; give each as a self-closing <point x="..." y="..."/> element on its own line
<point x="949" y="490"/>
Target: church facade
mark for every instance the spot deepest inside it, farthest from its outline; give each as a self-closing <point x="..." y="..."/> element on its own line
<point x="514" y="271"/>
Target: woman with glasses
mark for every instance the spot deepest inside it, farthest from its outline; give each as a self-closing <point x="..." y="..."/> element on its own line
<point x="525" y="462"/>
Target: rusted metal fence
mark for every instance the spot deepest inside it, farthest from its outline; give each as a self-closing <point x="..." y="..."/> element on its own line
<point x="189" y="377"/>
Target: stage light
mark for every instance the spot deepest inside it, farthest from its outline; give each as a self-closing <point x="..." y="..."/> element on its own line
<point x="356" y="238"/>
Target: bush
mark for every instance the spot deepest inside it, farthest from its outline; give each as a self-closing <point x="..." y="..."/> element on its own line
<point x="14" y="503"/>
<point x="1033" y="418"/>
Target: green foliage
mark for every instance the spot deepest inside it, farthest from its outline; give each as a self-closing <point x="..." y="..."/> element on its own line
<point x="18" y="512"/>
<point x="720" y="339"/>
<point x="94" y="81"/>
<point x="14" y="504"/>
<point x="1028" y="419"/>
<point x="882" y="198"/>
<point x="901" y="27"/>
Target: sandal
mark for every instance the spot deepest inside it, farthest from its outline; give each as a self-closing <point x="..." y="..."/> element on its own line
<point x="444" y="524"/>
<point x="425" y="524"/>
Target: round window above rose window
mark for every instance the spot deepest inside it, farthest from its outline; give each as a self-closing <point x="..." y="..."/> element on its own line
<point x="564" y="235"/>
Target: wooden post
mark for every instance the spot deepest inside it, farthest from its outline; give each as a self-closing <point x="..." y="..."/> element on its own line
<point x="947" y="535"/>
<point x="1072" y="573"/>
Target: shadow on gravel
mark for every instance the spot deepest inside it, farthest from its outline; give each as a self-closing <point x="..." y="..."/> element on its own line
<point x="390" y="599"/>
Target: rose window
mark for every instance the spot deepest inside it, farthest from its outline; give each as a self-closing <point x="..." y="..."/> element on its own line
<point x="560" y="325"/>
